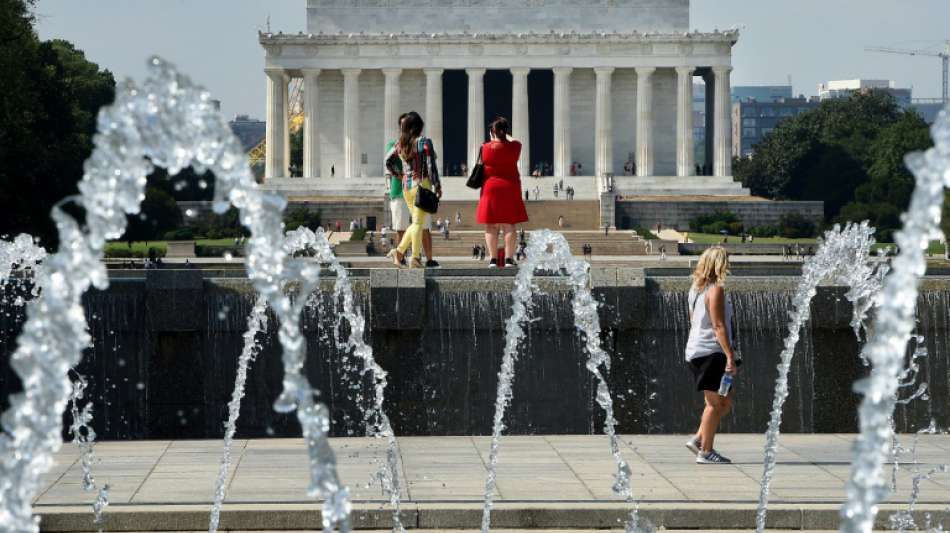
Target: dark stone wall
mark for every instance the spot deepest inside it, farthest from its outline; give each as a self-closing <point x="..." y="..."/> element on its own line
<point x="166" y="346"/>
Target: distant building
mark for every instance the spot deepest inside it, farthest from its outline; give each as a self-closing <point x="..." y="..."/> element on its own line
<point x="927" y="108"/>
<point x="752" y="120"/>
<point x="759" y="93"/>
<point x="249" y="131"/>
<point x="845" y="88"/>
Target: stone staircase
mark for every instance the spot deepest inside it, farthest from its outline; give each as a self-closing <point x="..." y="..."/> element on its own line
<point x="617" y="243"/>
<point x="578" y="214"/>
<point x="585" y="188"/>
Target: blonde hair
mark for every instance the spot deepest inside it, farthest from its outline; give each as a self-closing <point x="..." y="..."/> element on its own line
<point x="713" y="267"/>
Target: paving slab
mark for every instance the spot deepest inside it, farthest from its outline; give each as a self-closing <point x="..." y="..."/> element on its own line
<point x="545" y="482"/>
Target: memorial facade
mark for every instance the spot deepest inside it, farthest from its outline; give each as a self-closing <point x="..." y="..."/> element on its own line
<point x="591" y="86"/>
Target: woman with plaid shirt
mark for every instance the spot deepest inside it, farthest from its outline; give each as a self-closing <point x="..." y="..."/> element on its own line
<point x="414" y="158"/>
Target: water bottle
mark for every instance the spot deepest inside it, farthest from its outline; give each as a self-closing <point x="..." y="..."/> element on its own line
<point x="725" y="385"/>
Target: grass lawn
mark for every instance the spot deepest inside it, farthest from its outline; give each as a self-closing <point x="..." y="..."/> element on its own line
<point x="140" y="246"/>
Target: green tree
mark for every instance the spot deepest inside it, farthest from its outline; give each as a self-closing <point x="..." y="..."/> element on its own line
<point x="825" y="154"/>
<point x="886" y="193"/>
<point x="296" y="152"/>
<point x="301" y="216"/>
<point x="51" y="95"/>
<point x="159" y="214"/>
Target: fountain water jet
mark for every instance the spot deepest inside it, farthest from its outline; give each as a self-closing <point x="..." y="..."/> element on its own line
<point x="377" y="421"/>
<point x="298" y="241"/>
<point x="549" y="251"/>
<point x="168" y="122"/>
<point x="842" y="257"/>
<point x="891" y="330"/>
<point x="256" y="323"/>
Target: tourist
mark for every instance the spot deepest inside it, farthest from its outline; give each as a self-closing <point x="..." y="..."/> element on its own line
<point x="398" y="206"/>
<point x="527" y="195"/>
<point x="709" y="349"/>
<point x="481" y="252"/>
<point x="475" y="252"/>
<point x="560" y="221"/>
<point x="580" y="171"/>
<point x="458" y="216"/>
<point x="500" y="205"/>
<point x="398" y="210"/>
<point x="555" y="190"/>
<point x="414" y="158"/>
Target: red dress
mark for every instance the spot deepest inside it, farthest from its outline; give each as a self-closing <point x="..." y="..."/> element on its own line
<point x="501" y="201"/>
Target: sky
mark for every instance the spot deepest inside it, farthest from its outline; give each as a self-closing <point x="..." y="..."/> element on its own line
<point x="215" y="41"/>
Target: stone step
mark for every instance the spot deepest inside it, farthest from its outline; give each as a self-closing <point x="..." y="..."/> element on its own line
<point x="578" y="214"/>
<point x="598" y="515"/>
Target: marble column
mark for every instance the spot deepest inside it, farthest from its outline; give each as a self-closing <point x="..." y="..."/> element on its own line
<point x="685" y="155"/>
<point x="603" y="127"/>
<point x="311" y="135"/>
<point x="391" y="104"/>
<point x="722" y="143"/>
<point x="433" y="116"/>
<point x="645" y="161"/>
<point x="275" y="137"/>
<point x="351" y="123"/>
<point x="562" y="121"/>
<point x="520" y="117"/>
<point x="476" y="113"/>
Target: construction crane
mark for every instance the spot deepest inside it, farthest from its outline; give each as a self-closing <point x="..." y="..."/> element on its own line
<point x="295" y="114"/>
<point x="944" y="56"/>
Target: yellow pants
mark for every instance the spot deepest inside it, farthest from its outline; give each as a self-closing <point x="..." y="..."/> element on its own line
<point x="413" y="235"/>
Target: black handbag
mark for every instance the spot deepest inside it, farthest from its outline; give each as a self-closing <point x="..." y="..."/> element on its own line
<point x="426" y="200"/>
<point x="477" y="178"/>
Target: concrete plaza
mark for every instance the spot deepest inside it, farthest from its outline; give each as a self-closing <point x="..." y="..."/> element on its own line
<point x="543" y="482"/>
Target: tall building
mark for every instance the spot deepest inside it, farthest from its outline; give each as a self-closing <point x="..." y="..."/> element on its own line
<point x="761" y="93"/>
<point x="845" y="88"/>
<point x="739" y="93"/>
<point x="752" y="120"/>
<point x="248" y="130"/>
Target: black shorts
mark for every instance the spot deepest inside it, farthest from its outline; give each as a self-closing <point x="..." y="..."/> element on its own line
<point x="708" y="371"/>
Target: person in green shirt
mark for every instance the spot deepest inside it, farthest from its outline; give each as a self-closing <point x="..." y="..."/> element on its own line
<point x="400" y="211"/>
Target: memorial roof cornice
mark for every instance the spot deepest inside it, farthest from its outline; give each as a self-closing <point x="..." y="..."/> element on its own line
<point x="552" y="37"/>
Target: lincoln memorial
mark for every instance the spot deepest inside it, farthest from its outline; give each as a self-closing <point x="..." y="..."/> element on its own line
<point x="593" y="88"/>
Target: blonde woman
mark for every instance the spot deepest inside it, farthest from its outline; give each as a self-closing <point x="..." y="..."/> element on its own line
<point x="709" y="350"/>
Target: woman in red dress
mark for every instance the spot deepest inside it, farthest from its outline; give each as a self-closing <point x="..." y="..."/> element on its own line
<point x="501" y="205"/>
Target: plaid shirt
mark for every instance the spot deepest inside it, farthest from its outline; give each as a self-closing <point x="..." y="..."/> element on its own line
<point x="424" y="167"/>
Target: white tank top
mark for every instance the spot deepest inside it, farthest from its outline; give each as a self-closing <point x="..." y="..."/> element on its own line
<point x="702" y="337"/>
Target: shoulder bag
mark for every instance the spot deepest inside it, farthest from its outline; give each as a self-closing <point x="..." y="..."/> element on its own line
<point x="477" y="178"/>
<point x="426" y="199"/>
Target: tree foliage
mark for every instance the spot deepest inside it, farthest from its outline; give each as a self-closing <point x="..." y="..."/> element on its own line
<point x="51" y="94"/>
<point x="848" y="153"/>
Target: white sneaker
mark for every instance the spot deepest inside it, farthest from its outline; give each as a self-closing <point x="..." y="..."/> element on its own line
<point x="693" y="445"/>
<point x="712" y="457"/>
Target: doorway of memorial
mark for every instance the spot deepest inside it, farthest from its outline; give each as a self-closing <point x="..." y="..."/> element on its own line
<point x="541" y="118"/>
<point x="455" y="122"/>
<point x="497" y="96"/>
